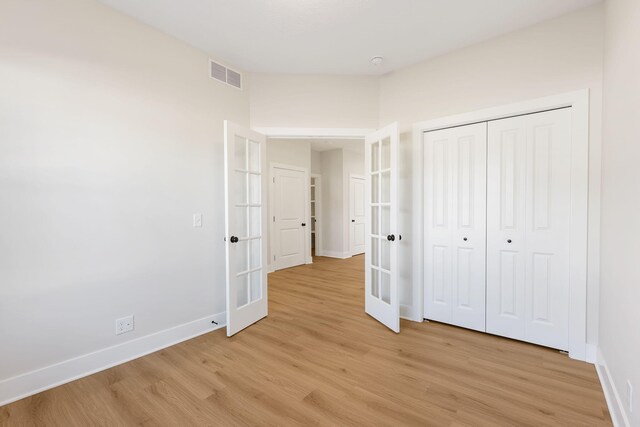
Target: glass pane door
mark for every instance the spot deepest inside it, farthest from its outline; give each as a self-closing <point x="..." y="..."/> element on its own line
<point x="245" y="222"/>
<point x="381" y="299"/>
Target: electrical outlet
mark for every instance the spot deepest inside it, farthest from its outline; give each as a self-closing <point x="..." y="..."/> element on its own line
<point x="124" y="325"/>
<point x="197" y="220"/>
<point x="630" y="395"/>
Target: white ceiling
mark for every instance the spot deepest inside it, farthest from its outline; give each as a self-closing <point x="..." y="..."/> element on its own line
<point x="337" y="36"/>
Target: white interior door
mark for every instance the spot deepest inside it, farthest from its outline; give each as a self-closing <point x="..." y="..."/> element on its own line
<point x="245" y="225"/>
<point x="528" y="245"/>
<point x="290" y="224"/>
<point x="455" y="225"/>
<point x="381" y="248"/>
<point x="357" y="209"/>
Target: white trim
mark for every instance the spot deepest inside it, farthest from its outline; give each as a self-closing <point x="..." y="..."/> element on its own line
<point x="619" y="416"/>
<point x="318" y="201"/>
<point x="579" y="101"/>
<point x="313" y="133"/>
<point x="336" y="254"/>
<point x="273" y="261"/>
<point x="39" y="380"/>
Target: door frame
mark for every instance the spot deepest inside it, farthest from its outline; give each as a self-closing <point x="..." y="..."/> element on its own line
<point x="582" y="232"/>
<point x="273" y="236"/>
<point x="348" y="216"/>
<point x="318" y="201"/>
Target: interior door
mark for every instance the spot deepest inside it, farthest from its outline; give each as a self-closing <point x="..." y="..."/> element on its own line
<point x="381" y="247"/>
<point x="455" y="225"/>
<point x="528" y="227"/>
<point x="246" y="219"/>
<point x="290" y="188"/>
<point x="357" y="228"/>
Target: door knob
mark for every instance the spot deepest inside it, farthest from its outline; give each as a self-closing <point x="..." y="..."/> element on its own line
<point x="304" y="224"/>
<point x="391" y="237"/>
<point x="353" y="220"/>
<point x="508" y="240"/>
<point x="464" y="238"/>
<point x="234" y="239"/>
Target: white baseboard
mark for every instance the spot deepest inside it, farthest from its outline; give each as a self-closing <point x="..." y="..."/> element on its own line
<point x="336" y="254"/>
<point x="614" y="402"/>
<point x="29" y="383"/>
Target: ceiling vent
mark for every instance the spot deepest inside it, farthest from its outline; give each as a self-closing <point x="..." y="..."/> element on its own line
<point x="225" y="75"/>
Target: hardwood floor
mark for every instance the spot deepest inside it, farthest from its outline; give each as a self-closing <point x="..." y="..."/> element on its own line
<point x="319" y="359"/>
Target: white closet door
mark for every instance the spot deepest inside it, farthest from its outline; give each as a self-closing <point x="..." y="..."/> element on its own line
<point x="455" y="225"/>
<point x="289" y="208"/>
<point x="528" y="197"/>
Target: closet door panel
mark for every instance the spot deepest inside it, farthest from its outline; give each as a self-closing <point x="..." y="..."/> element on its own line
<point x="455" y="220"/>
<point x="506" y="186"/>
<point x="528" y="196"/>
<point x="548" y="225"/>
<point x="438" y="225"/>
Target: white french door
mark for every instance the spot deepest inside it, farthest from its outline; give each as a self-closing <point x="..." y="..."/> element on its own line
<point x="245" y="226"/>
<point x="382" y="236"/>
<point x="455" y="225"/>
<point x="357" y="208"/>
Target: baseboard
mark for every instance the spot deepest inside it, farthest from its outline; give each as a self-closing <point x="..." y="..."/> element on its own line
<point x="336" y="254"/>
<point x="29" y="383"/>
<point x="614" y="402"/>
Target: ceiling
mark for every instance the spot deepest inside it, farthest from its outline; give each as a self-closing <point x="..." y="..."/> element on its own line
<point x="337" y="36"/>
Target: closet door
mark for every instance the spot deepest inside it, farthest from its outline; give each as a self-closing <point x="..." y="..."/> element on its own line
<point x="528" y="199"/>
<point x="455" y="225"/>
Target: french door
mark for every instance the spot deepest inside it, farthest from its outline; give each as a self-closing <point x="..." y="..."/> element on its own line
<point x="382" y="238"/>
<point x="245" y="226"/>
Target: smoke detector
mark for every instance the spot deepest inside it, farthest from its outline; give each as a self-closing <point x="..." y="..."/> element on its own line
<point x="376" y="60"/>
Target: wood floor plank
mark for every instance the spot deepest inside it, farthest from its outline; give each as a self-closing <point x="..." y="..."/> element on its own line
<point x="318" y="359"/>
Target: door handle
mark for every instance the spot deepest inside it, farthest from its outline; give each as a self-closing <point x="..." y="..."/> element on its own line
<point x="391" y="237"/>
<point x="234" y="239"/>
<point x="304" y="225"/>
<point x="464" y="238"/>
<point x="508" y="240"/>
<point x="353" y="220"/>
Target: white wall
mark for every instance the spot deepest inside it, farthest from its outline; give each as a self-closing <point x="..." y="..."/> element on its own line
<point x="332" y="226"/>
<point x="327" y="101"/>
<point x="353" y="164"/>
<point x="111" y="140"/>
<point x="556" y="56"/>
<point x="620" y="289"/>
<point x="316" y="162"/>
<point x="289" y="152"/>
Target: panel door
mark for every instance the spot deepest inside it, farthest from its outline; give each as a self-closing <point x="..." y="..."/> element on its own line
<point x="381" y="251"/>
<point x="245" y="222"/>
<point x="455" y="225"/>
<point x="528" y="196"/>
<point x="357" y="225"/>
<point x="290" y="213"/>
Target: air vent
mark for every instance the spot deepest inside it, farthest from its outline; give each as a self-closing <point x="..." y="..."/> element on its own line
<point x="225" y="75"/>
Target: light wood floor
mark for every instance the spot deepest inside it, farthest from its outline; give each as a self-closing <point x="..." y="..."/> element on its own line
<point x="318" y="359"/>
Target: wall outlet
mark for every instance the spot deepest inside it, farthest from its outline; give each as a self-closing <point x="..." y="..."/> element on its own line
<point x="630" y="395"/>
<point x="197" y="220"/>
<point x="124" y="325"/>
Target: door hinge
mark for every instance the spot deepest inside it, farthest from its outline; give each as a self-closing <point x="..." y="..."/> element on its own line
<point x="274" y="179"/>
<point x="274" y="219"/>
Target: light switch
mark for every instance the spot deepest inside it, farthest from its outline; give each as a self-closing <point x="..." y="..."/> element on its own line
<point x="197" y="220"/>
